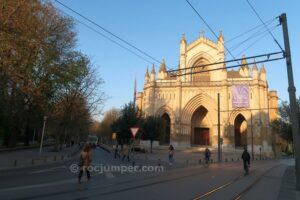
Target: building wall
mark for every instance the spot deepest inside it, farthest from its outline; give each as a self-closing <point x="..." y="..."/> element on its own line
<point x="181" y="96"/>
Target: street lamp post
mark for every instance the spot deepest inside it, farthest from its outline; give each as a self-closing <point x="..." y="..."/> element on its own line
<point x="42" y="139"/>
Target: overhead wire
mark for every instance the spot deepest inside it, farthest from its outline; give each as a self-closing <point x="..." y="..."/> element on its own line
<point x="108" y="38"/>
<point x="229" y="61"/>
<point x="256" y="13"/>
<point x="143" y="52"/>
<point x="229" y="67"/>
<point x="198" y="14"/>
<point x="250" y="30"/>
<point x="257" y="40"/>
<point x="254" y="35"/>
<point x="110" y="33"/>
<point x="269" y="22"/>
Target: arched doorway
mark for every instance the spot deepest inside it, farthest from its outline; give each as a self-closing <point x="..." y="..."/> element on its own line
<point x="200" y="127"/>
<point x="240" y="131"/>
<point x="165" y="138"/>
<point x="203" y="76"/>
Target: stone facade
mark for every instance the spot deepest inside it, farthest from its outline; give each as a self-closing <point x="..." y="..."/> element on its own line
<point x="190" y="106"/>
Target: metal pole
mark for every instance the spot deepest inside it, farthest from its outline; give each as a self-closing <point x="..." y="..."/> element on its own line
<point x="33" y="136"/>
<point x="42" y="139"/>
<point x="252" y="150"/>
<point x="292" y="97"/>
<point x="219" y="139"/>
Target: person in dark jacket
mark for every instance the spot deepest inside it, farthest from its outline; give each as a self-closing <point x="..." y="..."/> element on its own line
<point x="246" y="160"/>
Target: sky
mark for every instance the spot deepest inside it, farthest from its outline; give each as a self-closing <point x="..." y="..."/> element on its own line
<point x="156" y="26"/>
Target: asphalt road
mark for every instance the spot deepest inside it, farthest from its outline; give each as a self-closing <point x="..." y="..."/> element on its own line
<point x="218" y="181"/>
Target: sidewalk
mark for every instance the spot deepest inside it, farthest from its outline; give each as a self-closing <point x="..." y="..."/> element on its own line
<point x="288" y="183"/>
<point x="31" y="157"/>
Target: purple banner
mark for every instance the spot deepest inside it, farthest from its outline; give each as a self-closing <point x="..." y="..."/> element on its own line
<point x="240" y="96"/>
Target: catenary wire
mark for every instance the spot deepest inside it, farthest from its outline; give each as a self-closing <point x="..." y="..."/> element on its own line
<point x="250" y="30"/>
<point x="254" y="35"/>
<point x="106" y="37"/>
<point x="109" y="32"/>
<point x="257" y="40"/>
<point x="256" y="13"/>
<point x="208" y="26"/>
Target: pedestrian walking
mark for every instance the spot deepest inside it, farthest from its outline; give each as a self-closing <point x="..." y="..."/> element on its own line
<point x="171" y="154"/>
<point x="85" y="162"/>
<point x="116" y="152"/>
<point x="246" y="160"/>
<point x="207" y="154"/>
<point x="125" y="153"/>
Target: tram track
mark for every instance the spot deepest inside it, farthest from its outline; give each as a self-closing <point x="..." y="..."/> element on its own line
<point x="247" y="189"/>
<point x="225" y="185"/>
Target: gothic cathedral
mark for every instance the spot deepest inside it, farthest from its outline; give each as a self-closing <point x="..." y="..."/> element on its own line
<point x="188" y="102"/>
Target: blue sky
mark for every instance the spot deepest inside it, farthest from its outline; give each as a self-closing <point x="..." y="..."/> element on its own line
<point x="155" y="26"/>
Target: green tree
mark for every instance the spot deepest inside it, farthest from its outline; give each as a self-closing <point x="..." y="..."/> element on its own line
<point x="152" y="129"/>
<point x="40" y="71"/>
<point x="128" y="118"/>
<point x="105" y="127"/>
<point x="283" y="126"/>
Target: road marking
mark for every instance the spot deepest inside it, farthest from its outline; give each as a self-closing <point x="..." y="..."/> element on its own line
<point x="48" y="170"/>
<point x="214" y="190"/>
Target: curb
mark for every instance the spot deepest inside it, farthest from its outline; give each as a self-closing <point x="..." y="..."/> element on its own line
<point x="21" y="148"/>
<point x="55" y="159"/>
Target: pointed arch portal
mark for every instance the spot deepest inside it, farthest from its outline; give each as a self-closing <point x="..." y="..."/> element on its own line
<point x="165" y="139"/>
<point x="200" y="130"/>
<point x="240" y="131"/>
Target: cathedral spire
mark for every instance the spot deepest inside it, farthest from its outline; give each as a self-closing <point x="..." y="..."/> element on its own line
<point x="134" y="92"/>
<point x="146" y="76"/>
<point x="254" y="70"/>
<point x="147" y="73"/>
<point x="153" y="70"/>
<point x="262" y="69"/>
<point x="162" y="74"/>
<point x="262" y="73"/>
<point x="244" y="62"/>
<point x="152" y="75"/>
<point x="163" y="66"/>
<point x="182" y="40"/>
<point x="221" y="37"/>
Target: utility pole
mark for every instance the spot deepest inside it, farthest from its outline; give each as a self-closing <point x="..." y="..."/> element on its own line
<point x="292" y="96"/>
<point x="43" y="132"/>
<point x="219" y="138"/>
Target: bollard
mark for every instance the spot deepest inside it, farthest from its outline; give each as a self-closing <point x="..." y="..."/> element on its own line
<point x="232" y="159"/>
<point x="225" y="159"/>
<point x="238" y="159"/>
<point x="15" y="162"/>
<point x="199" y="161"/>
<point x="159" y="164"/>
